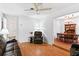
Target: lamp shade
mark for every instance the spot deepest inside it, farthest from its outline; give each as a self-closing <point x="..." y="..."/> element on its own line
<point x="4" y="31"/>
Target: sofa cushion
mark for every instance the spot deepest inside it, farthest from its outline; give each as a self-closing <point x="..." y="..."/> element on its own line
<point x="1" y="52"/>
<point x="72" y="50"/>
<point x="2" y="47"/>
<point x="10" y="44"/>
<point x="9" y="48"/>
<point x="76" y="53"/>
<point x="10" y="53"/>
<point x="17" y="52"/>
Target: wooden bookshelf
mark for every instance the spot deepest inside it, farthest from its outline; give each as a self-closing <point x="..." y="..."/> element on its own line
<point x="70" y="28"/>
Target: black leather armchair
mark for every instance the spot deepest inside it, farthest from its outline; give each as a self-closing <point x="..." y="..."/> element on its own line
<point x="74" y="50"/>
<point x="38" y="39"/>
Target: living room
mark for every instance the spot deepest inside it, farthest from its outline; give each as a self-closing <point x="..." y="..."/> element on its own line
<point x="34" y="27"/>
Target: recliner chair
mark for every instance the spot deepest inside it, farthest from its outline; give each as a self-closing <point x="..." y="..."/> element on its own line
<point x="38" y="39"/>
<point x="74" y="50"/>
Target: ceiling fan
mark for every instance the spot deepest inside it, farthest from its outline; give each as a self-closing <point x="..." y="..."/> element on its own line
<point x="38" y="7"/>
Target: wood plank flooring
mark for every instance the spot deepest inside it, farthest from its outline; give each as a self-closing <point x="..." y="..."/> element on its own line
<point x="63" y="45"/>
<point x="28" y="49"/>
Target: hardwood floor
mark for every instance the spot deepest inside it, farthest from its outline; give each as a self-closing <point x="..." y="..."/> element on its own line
<point x="63" y="45"/>
<point x="28" y="49"/>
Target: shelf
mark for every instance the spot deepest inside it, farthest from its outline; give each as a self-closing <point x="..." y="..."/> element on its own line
<point x="70" y="28"/>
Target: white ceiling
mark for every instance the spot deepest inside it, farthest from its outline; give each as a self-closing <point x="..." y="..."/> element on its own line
<point x="18" y="8"/>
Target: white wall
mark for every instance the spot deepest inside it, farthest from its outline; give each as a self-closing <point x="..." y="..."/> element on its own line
<point x="26" y="24"/>
<point x="12" y="25"/>
<point x="0" y="20"/>
<point x="49" y="30"/>
<point x="58" y="26"/>
<point x="76" y="20"/>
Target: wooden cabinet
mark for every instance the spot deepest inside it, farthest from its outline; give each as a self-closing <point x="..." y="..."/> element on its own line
<point x="69" y="34"/>
<point x="70" y="28"/>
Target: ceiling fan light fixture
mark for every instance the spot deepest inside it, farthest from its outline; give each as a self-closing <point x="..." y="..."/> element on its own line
<point x="32" y="8"/>
<point x="38" y="8"/>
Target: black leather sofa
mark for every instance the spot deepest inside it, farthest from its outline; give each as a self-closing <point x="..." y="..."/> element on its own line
<point x="9" y="48"/>
<point x="74" y="50"/>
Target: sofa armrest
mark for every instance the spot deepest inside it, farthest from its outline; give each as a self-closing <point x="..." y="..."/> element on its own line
<point x="10" y="41"/>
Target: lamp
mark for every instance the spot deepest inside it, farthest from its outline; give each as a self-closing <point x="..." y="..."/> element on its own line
<point x="4" y="32"/>
<point x="69" y="19"/>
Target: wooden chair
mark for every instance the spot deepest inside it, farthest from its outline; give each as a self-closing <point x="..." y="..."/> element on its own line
<point x="75" y="40"/>
<point x="60" y="36"/>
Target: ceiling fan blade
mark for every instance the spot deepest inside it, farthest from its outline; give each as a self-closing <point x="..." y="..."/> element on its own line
<point x="45" y="9"/>
<point x="31" y="9"/>
<point x="27" y="10"/>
